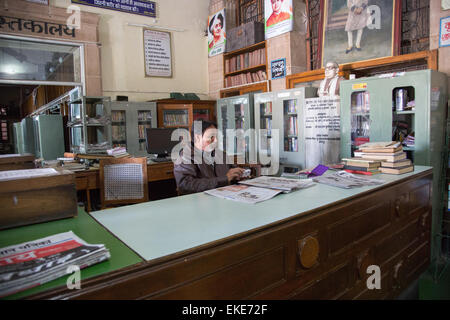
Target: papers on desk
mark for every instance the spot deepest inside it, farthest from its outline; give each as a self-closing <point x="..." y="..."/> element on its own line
<point x="243" y="193"/>
<point x="259" y="189"/>
<point x="346" y="180"/>
<point x="26" y="173"/>
<point x="278" y="183"/>
<point x="29" y="264"/>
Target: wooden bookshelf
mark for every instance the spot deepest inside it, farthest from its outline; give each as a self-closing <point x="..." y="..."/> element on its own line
<point x="173" y="113"/>
<point x="246" y="66"/>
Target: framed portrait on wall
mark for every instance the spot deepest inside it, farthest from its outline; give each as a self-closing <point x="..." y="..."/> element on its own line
<point x="278" y="17"/>
<point x="217" y="38"/>
<point x="358" y="30"/>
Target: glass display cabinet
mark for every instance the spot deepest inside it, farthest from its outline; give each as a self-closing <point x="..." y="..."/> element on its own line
<point x="89" y="124"/>
<point x="129" y="121"/>
<point x="237" y="113"/>
<point x="283" y="111"/>
<point x="174" y="113"/>
<point x="409" y="107"/>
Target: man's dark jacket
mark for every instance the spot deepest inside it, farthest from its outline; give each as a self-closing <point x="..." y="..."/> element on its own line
<point x="193" y="177"/>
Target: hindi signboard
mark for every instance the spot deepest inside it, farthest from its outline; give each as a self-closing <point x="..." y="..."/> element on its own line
<point x="157" y="53"/>
<point x="141" y="7"/>
<point x="322" y="131"/>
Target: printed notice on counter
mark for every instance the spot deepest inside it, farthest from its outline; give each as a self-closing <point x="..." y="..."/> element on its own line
<point x="158" y="57"/>
<point x="322" y="131"/>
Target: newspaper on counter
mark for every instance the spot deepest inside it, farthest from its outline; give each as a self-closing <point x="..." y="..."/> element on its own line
<point x="26" y="173"/>
<point x="30" y="264"/>
<point x="243" y="193"/>
<point x="346" y="180"/>
<point x="278" y="183"/>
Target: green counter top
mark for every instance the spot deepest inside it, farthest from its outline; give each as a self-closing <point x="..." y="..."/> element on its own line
<point x="85" y="227"/>
<point x="160" y="228"/>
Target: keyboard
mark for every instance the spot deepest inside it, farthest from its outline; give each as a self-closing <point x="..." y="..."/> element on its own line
<point x="161" y="159"/>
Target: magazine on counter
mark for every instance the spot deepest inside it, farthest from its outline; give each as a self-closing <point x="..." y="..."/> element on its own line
<point x="30" y="264"/>
<point x="242" y="193"/>
<point x="278" y="183"/>
<point x="346" y="180"/>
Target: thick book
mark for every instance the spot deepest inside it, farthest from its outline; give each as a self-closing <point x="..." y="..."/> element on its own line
<point x="400" y="170"/>
<point x="396" y="164"/>
<point x="360" y="162"/>
<point x="381" y="150"/>
<point x="389" y="157"/>
<point x="357" y="168"/>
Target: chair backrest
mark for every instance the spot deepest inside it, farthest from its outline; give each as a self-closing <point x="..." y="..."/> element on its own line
<point x="123" y="181"/>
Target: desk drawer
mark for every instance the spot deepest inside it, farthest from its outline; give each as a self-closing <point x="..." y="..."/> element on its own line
<point x="160" y="172"/>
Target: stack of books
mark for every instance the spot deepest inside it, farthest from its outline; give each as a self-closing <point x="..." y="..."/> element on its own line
<point x="391" y="154"/>
<point x="361" y="166"/>
<point x="119" y="152"/>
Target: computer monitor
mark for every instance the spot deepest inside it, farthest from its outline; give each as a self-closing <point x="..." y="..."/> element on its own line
<point x="159" y="141"/>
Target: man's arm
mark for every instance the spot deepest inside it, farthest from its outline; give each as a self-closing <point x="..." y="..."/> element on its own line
<point x="188" y="182"/>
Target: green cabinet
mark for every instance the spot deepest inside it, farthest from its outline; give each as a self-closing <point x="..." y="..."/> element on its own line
<point x="49" y="136"/>
<point x="129" y="121"/>
<point x="234" y="118"/>
<point x="28" y="137"/>
<point x="410" y="107"/>
<point x="281" y="113"/>
<point x="18" y="139"/>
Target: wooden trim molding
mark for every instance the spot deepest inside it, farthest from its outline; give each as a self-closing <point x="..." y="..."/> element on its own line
<point x="430" y="58"/>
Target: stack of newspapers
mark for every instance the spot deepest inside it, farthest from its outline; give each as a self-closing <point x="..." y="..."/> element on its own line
<point x="30" y="264"/>
<point x="259" y="189"/>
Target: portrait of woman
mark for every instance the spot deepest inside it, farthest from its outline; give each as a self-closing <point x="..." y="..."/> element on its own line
<point x="217" y="34"/>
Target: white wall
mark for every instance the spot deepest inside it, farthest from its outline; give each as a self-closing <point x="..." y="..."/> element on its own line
<point x="122" y="52"/>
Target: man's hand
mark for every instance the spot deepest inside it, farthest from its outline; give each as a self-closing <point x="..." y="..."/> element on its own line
<point x="234" y="174"/>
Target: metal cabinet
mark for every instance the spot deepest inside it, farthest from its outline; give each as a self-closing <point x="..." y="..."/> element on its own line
<point x="129" y="121"/>
<point x="409" y="107"/>
<point x="283" y="112"/>
<point x="49" y="134"/>
<point x="235" y="117"/>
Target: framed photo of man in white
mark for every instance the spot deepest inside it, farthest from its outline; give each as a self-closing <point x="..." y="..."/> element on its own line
<point x="358" y="30"/>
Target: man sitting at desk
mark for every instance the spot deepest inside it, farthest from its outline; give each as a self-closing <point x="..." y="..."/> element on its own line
<point x="197" y="176"/>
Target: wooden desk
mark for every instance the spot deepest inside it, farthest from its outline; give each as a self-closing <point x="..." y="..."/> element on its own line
<point x="89" y="180"/>
<point x="310" y="244"/>
<point x="16" y="162"/>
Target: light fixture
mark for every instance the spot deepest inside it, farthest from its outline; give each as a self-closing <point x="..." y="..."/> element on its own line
<point x="155" y="27"/>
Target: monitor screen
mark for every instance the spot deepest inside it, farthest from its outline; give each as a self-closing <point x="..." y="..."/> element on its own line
<point x="159" y="141"/>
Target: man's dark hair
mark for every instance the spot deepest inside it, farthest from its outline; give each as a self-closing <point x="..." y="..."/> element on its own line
<point x="204" y="124"/>
<point x="220" y="17"/>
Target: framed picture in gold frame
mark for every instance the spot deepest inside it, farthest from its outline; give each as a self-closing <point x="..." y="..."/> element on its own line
<point x="359" y="30"/>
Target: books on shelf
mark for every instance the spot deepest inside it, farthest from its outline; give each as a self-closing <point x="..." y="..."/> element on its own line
<point x="291" y="144"/>
<point x="117" y="116"/>
<point x="176" y="119"/>
<point x="267" y="109"/>
<point x="245" y="78"/>
<point x="360" y="102"/>
<point x="245" y="60"/>
<point x="144" y="116"/>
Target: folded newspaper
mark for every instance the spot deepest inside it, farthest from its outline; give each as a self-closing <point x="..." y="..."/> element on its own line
<point x="30" y="264"/>
<point x="259" y="189"/>
<point x="346" y="180"/>
<point x="278" y="183"/>
<point x="243" y="193"/>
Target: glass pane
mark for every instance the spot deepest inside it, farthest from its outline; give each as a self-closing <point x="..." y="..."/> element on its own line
<point x="265" y="111"/>
<point x="223" y="112"/>
<point x="176" y="117"/>
<point x="239" y="116"/>
<point x="29" y="60"/>
<point x="290" y="125"/>
<point x="360" y="111"/>
<point x="144" y="122"/>
<point x="77" y="137"/>
<point x="201" y="114"/>
<point x="118" y="128"/>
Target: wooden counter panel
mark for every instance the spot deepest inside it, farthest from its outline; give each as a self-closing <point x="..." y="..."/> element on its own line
<point x="266" y="263"/>
<point x="231" y="279"/>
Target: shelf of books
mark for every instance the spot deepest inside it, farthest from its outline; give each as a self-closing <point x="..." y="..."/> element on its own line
<point x="176" y="118"/>
<point x="290" y="118"/>
<point x="360" y="118"/>
<point x="245" y="66"/>
<point x="118" y="129"/>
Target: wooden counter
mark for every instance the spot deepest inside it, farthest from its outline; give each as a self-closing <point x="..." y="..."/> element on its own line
<point x="310" y="244"/>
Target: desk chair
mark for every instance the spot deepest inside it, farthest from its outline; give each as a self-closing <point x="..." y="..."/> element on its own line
<point x="123" y="181"/>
